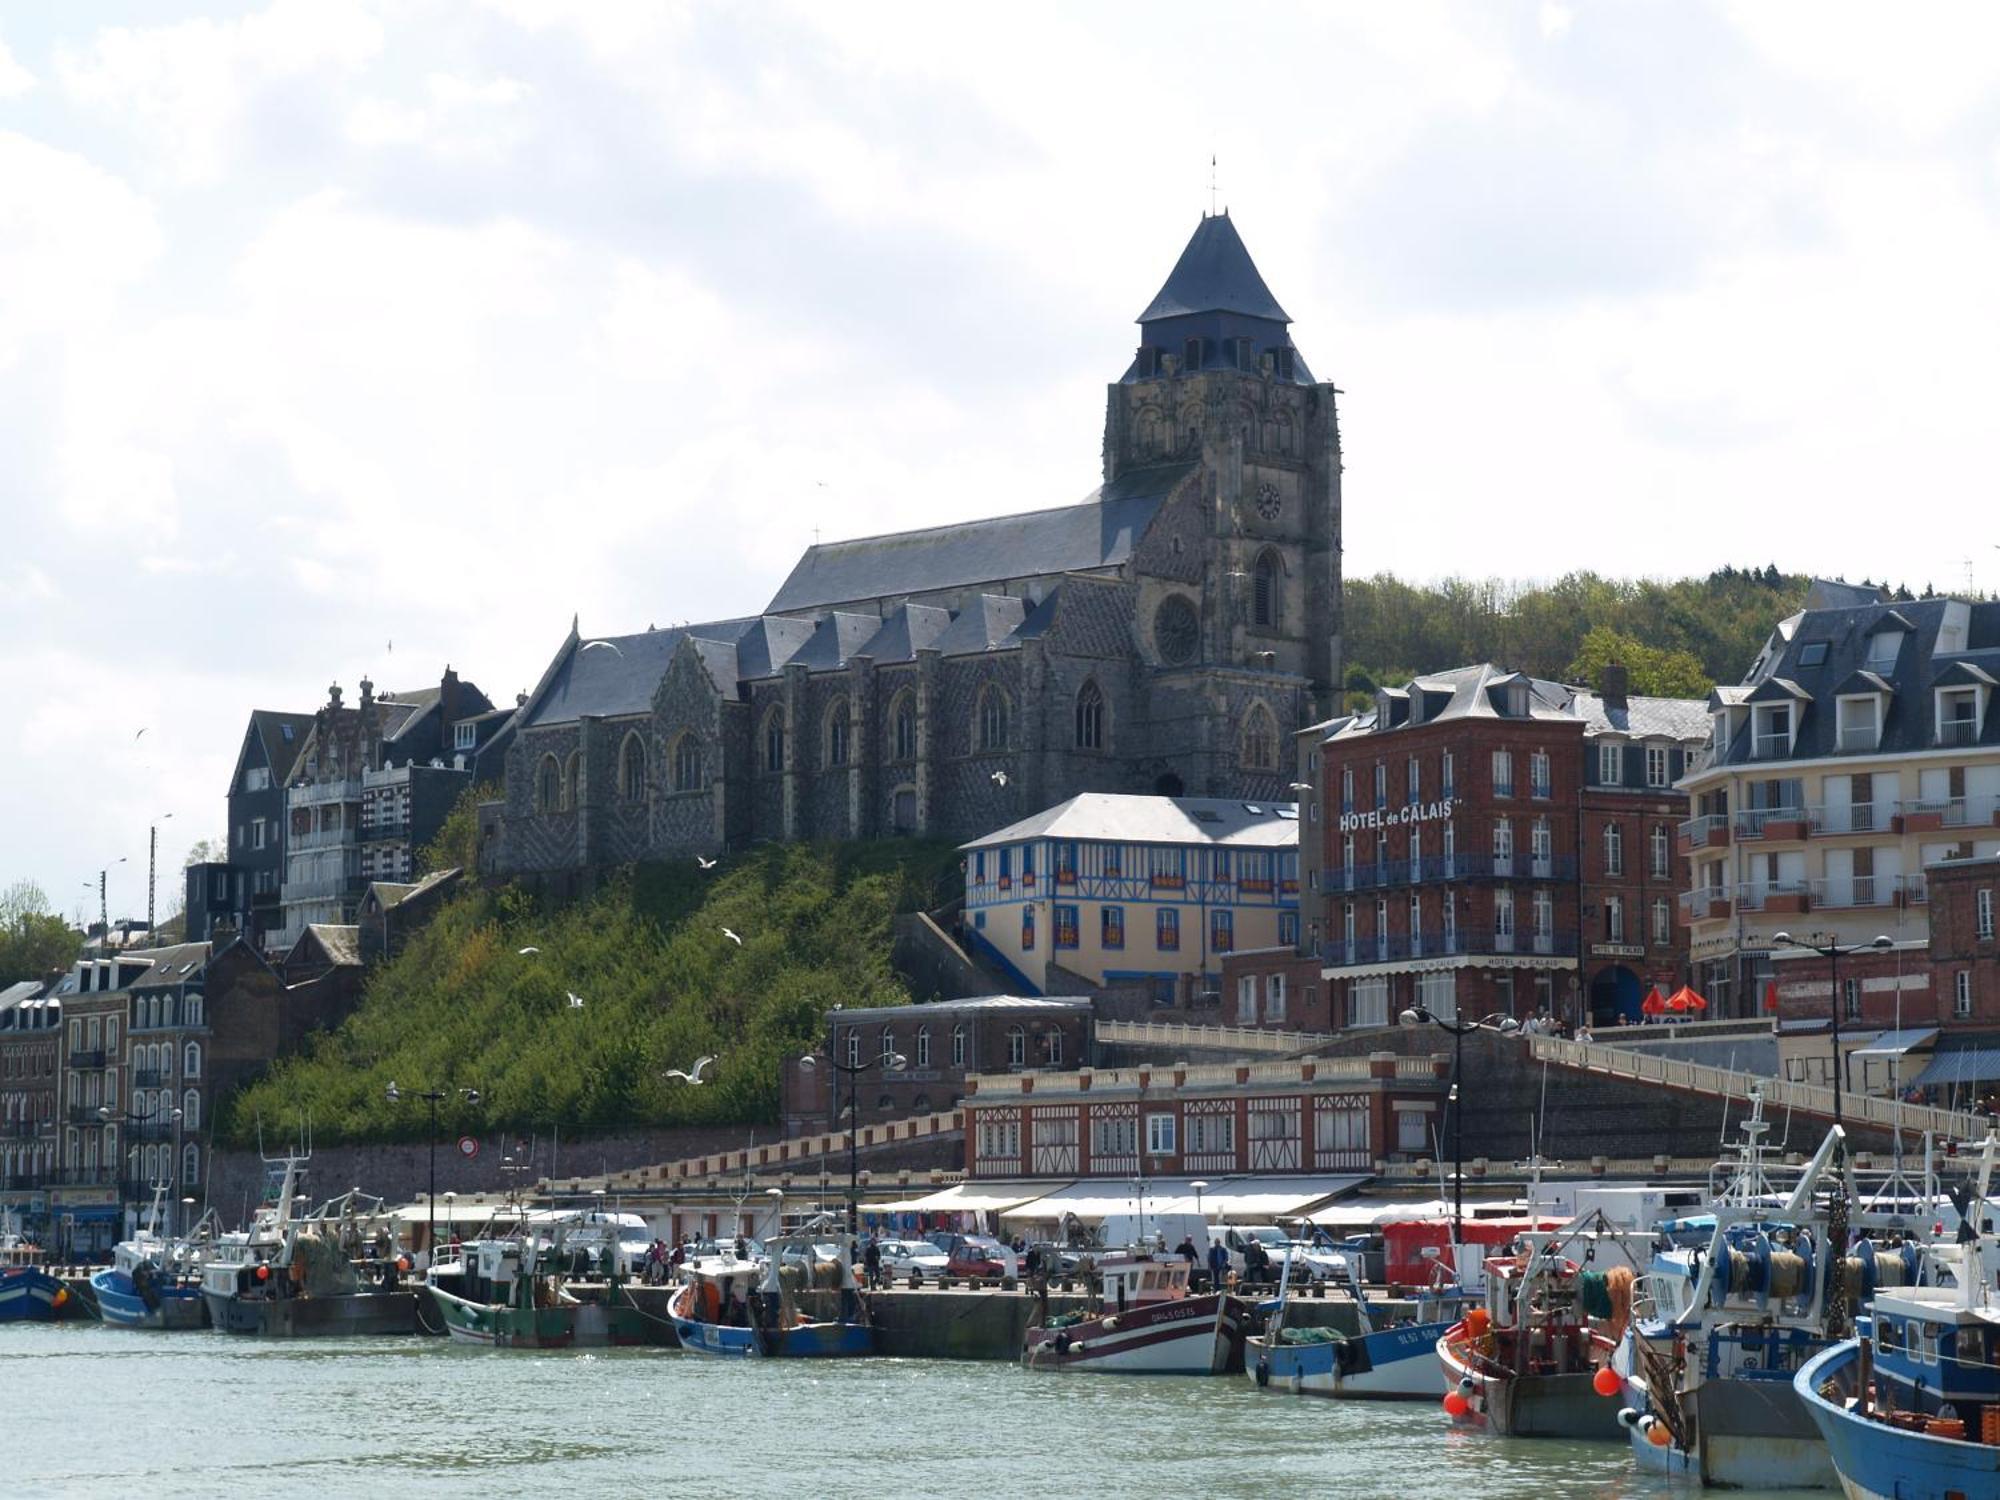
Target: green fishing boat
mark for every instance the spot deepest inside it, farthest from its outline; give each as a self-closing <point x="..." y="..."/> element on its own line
<point x="522" y="1294"/>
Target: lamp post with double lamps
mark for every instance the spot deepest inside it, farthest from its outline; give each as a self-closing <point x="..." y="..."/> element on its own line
<point x="111" y="1116"/>
<point x="433" y="1097"/>
<point x="1829" y="949"/>
<point x="1416" y="1015"/>
<point x="893" y="1063"/>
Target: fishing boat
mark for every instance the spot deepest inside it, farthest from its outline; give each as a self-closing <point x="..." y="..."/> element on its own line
<point x="1147" y="1323"/>
<point x="1395" y="1362"/>
<point x="798" y="1301"/>
<point x="154" y="1282"/>
<point x="28" y="1293"/>
<point x="1910" y="1408"/>
<point x="519" y="1294"/>
<point x="308" y="1274"/>
<point x="1535" y="1360"/>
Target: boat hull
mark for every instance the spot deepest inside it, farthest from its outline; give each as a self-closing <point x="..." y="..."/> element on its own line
<point x="29" y="1294"/>
<point x="315" y="1317"/>
<point x="583" y="1325"/>
<point x="1391" y="1364"/>
<point x="1875" y="1461"/>
<point x="1188" y="1336"/>
<point x="1530" y="1406"/>
<point x="122" y="1304"/>
<point x="800" y="1341"/>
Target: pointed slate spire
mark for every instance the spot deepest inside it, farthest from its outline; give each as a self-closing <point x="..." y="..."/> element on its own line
<point x="1215" y="274"/>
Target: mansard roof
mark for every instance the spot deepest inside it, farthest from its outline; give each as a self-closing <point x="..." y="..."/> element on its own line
<point x="1135" y="819"/>
<point x="1215" y="274"/>
<point x="1098" y="532"/>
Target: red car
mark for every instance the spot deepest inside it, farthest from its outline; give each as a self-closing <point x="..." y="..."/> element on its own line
<point x="977" y="1255"/>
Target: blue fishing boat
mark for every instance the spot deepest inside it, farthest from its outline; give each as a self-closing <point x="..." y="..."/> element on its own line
<point x="1396" y="1362"/>
<point x="775" y="1308"/>
<point x="154" y="1282"/>
<point x="28" y="1293"/>
<point x="1911" y="1407"/>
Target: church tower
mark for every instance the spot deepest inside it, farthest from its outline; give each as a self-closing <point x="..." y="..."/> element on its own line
<point x="1217" y="382"/>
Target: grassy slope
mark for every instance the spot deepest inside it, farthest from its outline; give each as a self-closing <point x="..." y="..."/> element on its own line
<point x="661" y="986"/>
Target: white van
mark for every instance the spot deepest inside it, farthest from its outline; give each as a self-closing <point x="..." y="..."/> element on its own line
<point x="1157" y="1232"/>
<point x="1308" y="1263"/>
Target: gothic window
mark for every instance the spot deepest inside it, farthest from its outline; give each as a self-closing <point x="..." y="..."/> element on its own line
<point x="992" y="719"/>
<point x="1266" y="590"/>
<point x="687" y="764"/>
<point x="570" y="768"/>
<point x="548" y="785"/>
<point x="903" y="728"/>
<point x="632" y="768"/>
<point x="1176" y="630"/>
<point x="190" y="1165"/>
<point x="191" y="1061"/>
<point x="836" y="733"/>
<point x="1090" y="718"/>
<point x="1260" y="740"/>
<point x="774" y="740"/>
<point x="903" y="809"/>
<point x="191" y="1111"/>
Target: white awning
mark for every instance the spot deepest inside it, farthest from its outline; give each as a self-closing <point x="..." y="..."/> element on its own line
<point x="964" y="1197"/>
<point x="1365" y="1213"/>
<point x="1896" y="1043"/>
<point x="1259" y="1199"/>
<point x="455" y="1212"/>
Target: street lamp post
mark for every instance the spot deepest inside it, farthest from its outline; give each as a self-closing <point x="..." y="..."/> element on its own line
<point x="1460" y="1030"/>
<point x="111" y="1116"/>
<point x="434" y="1097"/>
<point x="1829" y="949"/>
<point x="894" y="1063"/>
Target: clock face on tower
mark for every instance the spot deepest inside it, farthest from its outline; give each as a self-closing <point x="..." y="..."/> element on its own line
<point x="1268" y="503"/>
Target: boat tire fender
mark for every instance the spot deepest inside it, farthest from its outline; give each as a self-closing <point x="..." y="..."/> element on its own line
<point x="1263" y="1370"/>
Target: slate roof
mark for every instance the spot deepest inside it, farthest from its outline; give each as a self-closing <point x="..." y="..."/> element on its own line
<point x="1215" y="274"/>
<point x="340" y="944"/>
<point x="171" y="966"/>
<point x="280" y="748"/>
<point x="1477" y="692"/>
<point x="1097" y="532"/>
<point x="985" y="624"/>
<point x="1908" y="724"/>
<point x="1116" y="817"/>
<point x="1642" y="718"/>
<point x="19" y="992"/>
<point x="1838" y="593"/>
<point x="615" y="683"/>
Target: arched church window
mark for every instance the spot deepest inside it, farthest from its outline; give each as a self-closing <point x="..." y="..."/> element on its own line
<point x="1266" y="594"/>
<point x="774" y="741"/>
<point x="632" y="768"/>
<point x="688" y="775"/>
<point x="1176" y="630"/>
<point x="570" y="769"/>
<point x="1260" y="739"/>
<point x="1090" y="717"/>
<point x="903" y="728"/>
<point x="836" y="733"/>
<point x="548" y="785"/>
<point x="992" y="719"/>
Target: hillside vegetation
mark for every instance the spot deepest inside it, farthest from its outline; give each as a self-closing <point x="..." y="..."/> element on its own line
<point x="462" y="1007"/>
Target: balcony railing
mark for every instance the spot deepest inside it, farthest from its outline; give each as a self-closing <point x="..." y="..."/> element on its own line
<point x="1958" y="732"/>
<point x="148" y="1078"/>
<point x="1852" y="817"/>
<point x="1699" y="830"/>
<point x="152" y="1130"/>
<point x="315" y="793"/>
<point x="1770" y="746"/>
<point x="1774" y="895"/>
<point x="1852" y="890"/>
<point x="1916" y="890"/>
<point x="92" y="1057"/>
<point x="1699" y="904"/>
<point x="1504" y="788"/>
<point x="1853" y="741"/>
<point x="1751" y="822"/>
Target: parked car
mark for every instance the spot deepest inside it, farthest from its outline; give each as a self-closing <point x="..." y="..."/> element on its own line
<point x="902" y="1257"/>
<point x="978" y="1255"/>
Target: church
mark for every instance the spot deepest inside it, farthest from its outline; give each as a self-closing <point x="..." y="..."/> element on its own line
<point x="1165" y="634"/>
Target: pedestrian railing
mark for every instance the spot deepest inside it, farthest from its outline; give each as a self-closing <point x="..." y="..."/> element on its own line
<point x="1730" y="1083"/>
<point x="1233" y="1039"/>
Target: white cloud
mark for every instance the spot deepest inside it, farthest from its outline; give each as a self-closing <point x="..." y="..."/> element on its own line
<point x="14" y="79"/>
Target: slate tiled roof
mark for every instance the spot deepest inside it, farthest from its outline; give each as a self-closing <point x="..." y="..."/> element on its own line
<point x="171" y="966"/>
<point x="283" y="734"/>
<point x="1215" y="274"/>
<point x="985" y="624"/>
<point x="340" y="944"/>
<point x="1838" y="643"/>
<point x="1098" y="532"/>
<point x="614" y="683"/>
<point x="1117" y="817"/>
<point x="1478" y="692"/>
<point x="1643" y="718"/>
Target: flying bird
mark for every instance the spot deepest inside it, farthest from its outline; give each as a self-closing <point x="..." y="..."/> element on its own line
<point x="706" y="864"/>
<point x="136" y="736"/>
<point x="526" y="951"/>
<point x="999" y="778"/>
<point x="602" y="646"/>
<point x="575" y="1000"/>
<point x="689" y="1077"/>
<point x="732" y="937"/>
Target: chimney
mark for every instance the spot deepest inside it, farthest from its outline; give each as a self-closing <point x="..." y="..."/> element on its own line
<point x="447" y="703"/>
<point x="1611" y="684"/>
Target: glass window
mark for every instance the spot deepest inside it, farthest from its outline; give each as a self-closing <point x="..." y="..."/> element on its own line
<point x="1610" y="764"/>
<point x="1017" y="1046"/>
<point x="1168" y="929"/>
<point x="1090" y="718"/>
<point x="1065" y="917"/>
<point x="923" y="1047"/>
<point x="1503" y="773"/>
<point x="1112" y="925"/>
<point x="958" y="1046"/>
<point x="1656" y="765"/>
<point x="1159" y="1135"/>
<point x="1028" y="928"/>
<point x="1222" y="931"/>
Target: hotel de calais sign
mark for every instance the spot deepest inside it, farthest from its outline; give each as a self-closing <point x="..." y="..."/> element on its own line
<point x="1396" y="817"/>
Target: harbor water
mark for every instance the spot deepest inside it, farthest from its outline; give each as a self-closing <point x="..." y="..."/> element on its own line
<point x="92" y="1410"/>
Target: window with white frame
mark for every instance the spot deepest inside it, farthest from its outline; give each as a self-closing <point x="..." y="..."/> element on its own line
<point x="1346" y="788"/>
<point x="1368" y="1002"/>
<point x="1438" y="994"/>
<point x="1541" y="845"/>
<point x="1610" y="764"/>
<point x="1503" y="913"/>
<point x="1211" y="1134"/>
<point x="1246" y="998"/>
<point x="1413" y="781"/>
<point x="1656" y="765"/>
<point x="1961" y="993"/>
<point x="852" y="1043"/>
<point x="1000" y="1138"/>
<point x="1539" y="784"/>
<point x="1503" y="773"/>
<point x="1663" y="922"/>
<point x="1614" y="919"/>
<point x="1614" y="849"/>
<point x="1447" y="783"/>
<point x="1160" y="1134"/>
<point x="1112" y="1136"/>
<point x="1274" y="997"/>
<point x="1983" y="911"/>
<point x="1659" y="846"/>
<point x="1381" y="784"/>
<point x="1503" y="840"/>
<point x="888" y="1048"/>
<point x="1412" y="1130"/>
<point x="1055" y="1047"/>
<point x="1850" y="999"/>
<point x="958" y="1046"/>
<point x="1545" y="913"/>
<point x="1342" y="1128"/>
<point x="923" y="1047"/>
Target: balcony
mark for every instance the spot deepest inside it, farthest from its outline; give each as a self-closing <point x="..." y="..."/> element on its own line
<point x="330" y="889"/>
<point x="1915" y="890"/>
<point x="1705" y="904"/>
<point x="152" y="1130"/>
<point x="319" y="838"/>
<point x="1954" y="733"/>
<point x="1928" y="814"/>
<point x="1852" y="817"/>
<point x="91" y="1058"/>
<point x="318" y="793"/>
<point x="1843" y="892"/>
<point x="1787" y="897"/>
<point x="1770" y="746"/>
<point x="1394" y="947"/>
<point x="1771" y="823"/>
<point x="1710" y="831"/>
<point x="148" y="1078"/>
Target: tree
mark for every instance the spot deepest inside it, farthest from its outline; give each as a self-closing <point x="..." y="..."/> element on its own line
<point x="207" y="852"/>
<point x="1649" y="671"/>
<point x="456" y="846"/>
<point x="34" y="941"/>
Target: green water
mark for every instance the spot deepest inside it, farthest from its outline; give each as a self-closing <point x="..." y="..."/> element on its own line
<point x="91" y="1410"/>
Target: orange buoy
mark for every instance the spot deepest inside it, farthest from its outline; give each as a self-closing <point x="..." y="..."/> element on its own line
<point x="1456" y="1405"/>
<point x="1606" y="1382"/>
<point x="263" y="1273"/>
<point x="1659" y="1435"/>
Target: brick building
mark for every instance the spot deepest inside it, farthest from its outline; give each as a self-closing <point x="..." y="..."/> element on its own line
<point x="1965" y="952"/>
<point x="1124" y="890"/>
<point x="30" y="1086"/>
<point x="1308" y="1115"/>
<point x="943" y="1043"/>
<point x="1163" y="635"/>
<point x="1496" y="843"/>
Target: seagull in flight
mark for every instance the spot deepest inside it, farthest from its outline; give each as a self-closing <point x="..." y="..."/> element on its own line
<point x="603" y="646"/>
<point x="689" y="1077"/>
<point x="575" y="1000"/>
<point x="732" y="937"/>
<point x="706" y="864"/>
<point x="999" y="778"/>
<point x="136" y="736"/>
<point x="526" y="951"/>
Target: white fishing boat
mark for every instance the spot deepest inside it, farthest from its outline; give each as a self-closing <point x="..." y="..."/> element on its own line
<point x="1395" y="1361"/>
<point x="1148" y="1323"/>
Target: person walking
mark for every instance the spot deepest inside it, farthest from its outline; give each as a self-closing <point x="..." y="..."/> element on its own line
<point x="1218" y="1264"/>
<point x="871" y="1262"/>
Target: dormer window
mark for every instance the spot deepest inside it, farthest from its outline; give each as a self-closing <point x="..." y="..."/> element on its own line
<point x="1959" y="710"/>
<point x="1883" y="648"/>
<point x="464" y="735"/>
<point x="1860" y="722"/>
<point x="1772" y="731"/>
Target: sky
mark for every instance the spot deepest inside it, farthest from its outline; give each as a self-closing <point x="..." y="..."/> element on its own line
<point x="344" y="339"/>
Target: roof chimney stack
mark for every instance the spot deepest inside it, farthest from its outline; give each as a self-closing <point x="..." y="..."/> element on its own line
<point x="1611" y="684"/>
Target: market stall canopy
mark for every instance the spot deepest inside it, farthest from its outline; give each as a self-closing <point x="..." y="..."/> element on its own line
<point x="1259" y="1199"/>
<point x="1896" y="1043"/>
<point x="1966" y="1065"/>
<point x="1368" y="1213"/>
<point x="964" y="1197"/>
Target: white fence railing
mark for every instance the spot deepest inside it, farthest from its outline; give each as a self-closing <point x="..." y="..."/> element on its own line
<point x="1206" y="1038"/>
<point x="778" y="1156"/>
<point x="1729" y="1083"/>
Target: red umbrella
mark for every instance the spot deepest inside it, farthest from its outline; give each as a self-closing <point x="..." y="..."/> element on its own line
<point x="1678" y="1000"/>
<point x="1771" y="994"/>
<point x="1695" y="1000"/>
<point x="1653" y="1004"/>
